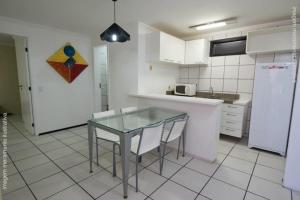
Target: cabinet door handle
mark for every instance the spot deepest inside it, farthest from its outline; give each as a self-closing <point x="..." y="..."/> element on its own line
<point x="231" y="115"/>
<point x="232" y="107"/>
<point x="227" y="129"/>
<point x="230" y="122"/>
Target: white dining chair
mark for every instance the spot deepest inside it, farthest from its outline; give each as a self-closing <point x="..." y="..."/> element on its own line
<point x="128" y="110"/>
<point x="149" y="139"/>
<point x="172" y="134"/>
<point x="105" y="135"/>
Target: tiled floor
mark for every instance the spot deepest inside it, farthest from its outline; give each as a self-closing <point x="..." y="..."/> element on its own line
<point x="55" y="167"/>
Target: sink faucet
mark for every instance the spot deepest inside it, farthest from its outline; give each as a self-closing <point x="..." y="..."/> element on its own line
<point x="211" y="90"/>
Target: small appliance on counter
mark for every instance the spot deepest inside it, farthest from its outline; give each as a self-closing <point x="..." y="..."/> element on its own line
<point x="170" y="91"/>
<point x="185" y="89"/>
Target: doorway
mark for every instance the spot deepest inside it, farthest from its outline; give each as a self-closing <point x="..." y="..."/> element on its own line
<point x="101" y="78"/>
<point x="15" y="84"/>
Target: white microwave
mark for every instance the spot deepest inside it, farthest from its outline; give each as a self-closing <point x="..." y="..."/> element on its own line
<point x="185" y="89"/>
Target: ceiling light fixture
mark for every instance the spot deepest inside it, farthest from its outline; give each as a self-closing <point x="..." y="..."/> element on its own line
<point x="214" y="24"/>
<point x="115" y="33"/>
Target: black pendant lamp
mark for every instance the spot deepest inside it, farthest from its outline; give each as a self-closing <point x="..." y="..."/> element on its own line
<point x="115" y="33"/>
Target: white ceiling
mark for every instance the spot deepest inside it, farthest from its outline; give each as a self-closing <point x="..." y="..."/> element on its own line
<point x="172" y="16"/>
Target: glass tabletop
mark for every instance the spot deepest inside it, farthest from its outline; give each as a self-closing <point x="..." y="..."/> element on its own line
<point x="138" y="119"/>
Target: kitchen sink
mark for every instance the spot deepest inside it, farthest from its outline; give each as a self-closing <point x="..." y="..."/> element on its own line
<point x="228" y="98"/>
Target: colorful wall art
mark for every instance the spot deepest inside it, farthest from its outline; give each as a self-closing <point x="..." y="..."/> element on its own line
<point x="67" y="62"/>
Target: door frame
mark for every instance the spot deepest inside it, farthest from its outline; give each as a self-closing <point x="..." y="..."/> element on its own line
<point x="28" y="81"/>
<point x="97" y="78"/>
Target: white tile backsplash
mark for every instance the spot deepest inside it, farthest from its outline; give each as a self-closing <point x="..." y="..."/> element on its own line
<point x="230" y="85"/>
<point x="205" y="72"/>
<point x="246" y="72"/>
<point x="217" y="72"/>
<point x="234" y="34"/>
<point x="194" y="72"/>
<point x="183" y="72"/>
<point x="247" y="59"/>
<point x="218" y="61"/>
<point x="283" y="57"/>
<point x="232" y="60"/>
<point x="217" y="85"/>
<point x="204" y="84"/>
<point x="231" y="72"/>
<point x="245" y="86"/>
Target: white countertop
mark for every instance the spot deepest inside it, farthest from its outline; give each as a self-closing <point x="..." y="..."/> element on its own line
<point x="242" y="101"/>
<point x="185" y="99"/>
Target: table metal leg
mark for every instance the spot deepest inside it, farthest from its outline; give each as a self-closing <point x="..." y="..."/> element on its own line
<point x="183" y="141"/>
<point x="90" y="137"/>
<point x="125" y="144"/>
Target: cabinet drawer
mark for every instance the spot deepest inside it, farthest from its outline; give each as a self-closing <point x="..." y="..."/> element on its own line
<point x="231" y="131"/>
<point x="232" y="124"/>
<point x="233" y="108"/>
<point x="232" y="116"/>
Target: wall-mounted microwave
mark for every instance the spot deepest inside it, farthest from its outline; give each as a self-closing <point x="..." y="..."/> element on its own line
<point x="229" y="46"/>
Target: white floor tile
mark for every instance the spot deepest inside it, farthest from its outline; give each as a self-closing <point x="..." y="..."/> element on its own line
<point x="70" y="160"/>
<point x="20" y="146"/>
<point x="117" y="194"/>
<point x="131" y="169"/>
<point x="173" y="191"/>
<point x="20" y="194"/>
<point x="72" y="140"/>
<point x="39" y="140"/>
<point x="200" y="197"/>
<point x="25" y="153"/>
<point x="244" y="154"/>
<point x="51" y="146"/>
<point x="148" y="181"/>
<point x="51" y="185"/>
<point x="250" y="196"/>
<point x="31" y="162"/>
<point x="169" y="168"/>
<point x="276" y="162"/>
<point x="14" y="182"/>
<point x="62" y="134"/>
<point x="220" y="158"/>
<point x="100" y="183"/>
<point x="190" y="179"/>
<point x="224" y="149"/>
<point x="71" y="193"/>
<point x="40" y="172"/>
<point x="268" y="173"/>
<point x="202" y="166"/>
<point x="238" y="164"/>
<point x="218" y="190"/>
<point x="172" y="156"/>
<point x="233" y="177"/>
<point x="58" y="153"/>
<point x="82" y="171"/>
<point x="268" y="189"/>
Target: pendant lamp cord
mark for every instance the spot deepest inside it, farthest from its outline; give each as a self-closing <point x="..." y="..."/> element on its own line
<point x="115" y="11"/>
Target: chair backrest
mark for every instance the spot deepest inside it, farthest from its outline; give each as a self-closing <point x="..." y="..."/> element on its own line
<point x="128" y="110"/>
<point x="177" y="128"/>
<point x="104" y="114"/>
<point x="150" y="137"/>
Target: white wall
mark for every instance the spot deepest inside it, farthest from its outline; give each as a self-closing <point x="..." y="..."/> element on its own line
<point x="56" y="103"/>
<point x="292" y="168"/>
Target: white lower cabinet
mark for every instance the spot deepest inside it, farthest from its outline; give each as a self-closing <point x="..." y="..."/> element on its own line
<point x="233" y="119"/>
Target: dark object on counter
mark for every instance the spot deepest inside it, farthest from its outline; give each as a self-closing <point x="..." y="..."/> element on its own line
<point x="170" y="92"/>
<point x="228" y="98"/>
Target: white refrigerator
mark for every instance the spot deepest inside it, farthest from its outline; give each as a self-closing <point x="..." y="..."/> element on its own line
<point x="271" y="106"/>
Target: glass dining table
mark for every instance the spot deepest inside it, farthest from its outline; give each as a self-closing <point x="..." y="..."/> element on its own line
<point x="127" y="126"/>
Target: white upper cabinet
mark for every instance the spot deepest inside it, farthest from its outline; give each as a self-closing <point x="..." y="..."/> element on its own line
<point x="278" y="39"/>
<point x="163" y="47"/>
<point x="196" y="52"/>
<point x="171" y="49"/>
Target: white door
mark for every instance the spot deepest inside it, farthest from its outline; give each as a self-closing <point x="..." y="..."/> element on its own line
<point x="24" y="82"/>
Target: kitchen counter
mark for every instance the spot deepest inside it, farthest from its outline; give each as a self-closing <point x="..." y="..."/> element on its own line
<point x="186" y="99"/>
<point x="203" y="127"/>
<point x="242" y="101"/>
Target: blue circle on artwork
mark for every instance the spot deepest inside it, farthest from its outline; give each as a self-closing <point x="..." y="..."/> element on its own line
<point x="69" y="51"/>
